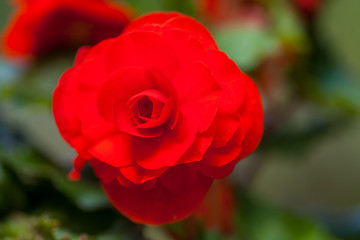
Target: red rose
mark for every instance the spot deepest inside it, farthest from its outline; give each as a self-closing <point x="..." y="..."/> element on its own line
<point x="40" y="26"/>
<point x="159" y="112"/>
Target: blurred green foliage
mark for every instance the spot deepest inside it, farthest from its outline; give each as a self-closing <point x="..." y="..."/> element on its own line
<point x="142" y="7"/>
<point x="260" y="221"/>
<point x="247" y="46"/>
<point x="5" y="12"/>
<point x="320" y="83"/>
<point x="37" y="228"/>
<point x="36" y="85"/>
<point x="31" y="184"/>
<point x="338" y="29"/>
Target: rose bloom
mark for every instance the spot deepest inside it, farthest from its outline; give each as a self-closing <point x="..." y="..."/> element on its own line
<point x="41" y="26"/>
<point x="159" y="112"/>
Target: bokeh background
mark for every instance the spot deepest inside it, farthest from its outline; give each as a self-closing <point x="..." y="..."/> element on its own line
<point x="302" y="183"/>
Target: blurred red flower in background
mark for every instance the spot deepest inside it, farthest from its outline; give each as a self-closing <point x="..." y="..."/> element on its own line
<point x="249" y="11"/>
<point x="218" y="209"/>
<point x="159" y="112"/>
<point x="42" y="26"/>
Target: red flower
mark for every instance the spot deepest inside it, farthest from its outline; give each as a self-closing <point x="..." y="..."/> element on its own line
<point x="218" y="209"/>
<point x="40" y="26"/>
<point x="159" y="112"/>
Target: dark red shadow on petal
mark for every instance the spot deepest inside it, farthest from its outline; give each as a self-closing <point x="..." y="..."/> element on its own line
<point x="159" y="205"/>
<point x="218" y="172"/>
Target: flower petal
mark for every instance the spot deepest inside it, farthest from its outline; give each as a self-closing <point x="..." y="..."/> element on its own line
<point x="64" y="112"/>
<point x="166" y="150"/>
<point x="199" y="147"/>
<point x="120" y="87"/>
<point x="141" y="49"/>
<point x="198" y="93"/>
<point x="118" y="90"/>
<point x="139" y="175"/>
<point x="217" y="172"/>
<point x="252" y="107"/>
<point x="159" y="205"/>
<point x="114" y="150"/>
<point x="105" y="172"/>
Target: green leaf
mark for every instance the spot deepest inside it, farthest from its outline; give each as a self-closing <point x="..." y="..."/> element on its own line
<point x="12" y="196"/>
<point x="262" y="222"/>
<point x="287" y="26"/>
<point x="20" y="226"/>
<point x="86" y="196"/>
<point x="337" y="89"/>
<point x="143" y="6"/>
<point x="213" y="235"/>
<point x="31" y="168"/>
<point x="5" y="9"/>
<point x="36" y="85"/>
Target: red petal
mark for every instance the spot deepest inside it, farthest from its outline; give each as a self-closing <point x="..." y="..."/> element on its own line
<point x="173" y="179"/>
<point x="187" y="48"/>
<point x="218" y="172"/>
<point x="245" y="139"/>
<point x="66" y="120"/>
<point x="199" y="147"/>
<point x="81" y="54"/>
<point x="126" y="124"/>
<point x="141" y="49"/>
<point x="166" y="86"/>
<point x="150" y="21"/>
<point x="166" y="150"/>
<point x="218" y="157"/>
<point x="139" y="175"/>
<point x="195" y="29"/>
<point x="81" y="97"/>
<point x="116" y="92"/>
<point x="232" y="80"/>
<point x="226" y="72"/>
<point x="253" y="107"/>
<point x="178" y="29"/>
<point x="198" y="93"/>
<point x="159" y="205"/>
<point x="162" y="108"/>
<point x="120" y="87"/>
<point x="105" y="172"/>
<point x="226" y="126"/>
<point x="221" y="156"/>
<point x="91" y="74"/>
<point x="79" y="164"/>
<point x="114" y="150"/>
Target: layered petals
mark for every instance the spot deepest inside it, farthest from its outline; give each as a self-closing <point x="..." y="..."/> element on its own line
<point x="159" y="112"/>
<point x="141" y="49"/>
<point x="198" y="93"/>
<point x="163" y="203"/>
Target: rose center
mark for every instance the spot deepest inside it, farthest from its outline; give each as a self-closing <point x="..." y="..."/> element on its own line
<point x="145" y="107"/>
<point x="150" y="108"/>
